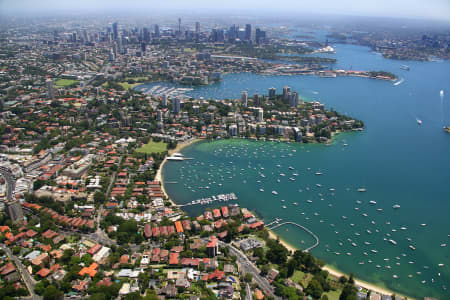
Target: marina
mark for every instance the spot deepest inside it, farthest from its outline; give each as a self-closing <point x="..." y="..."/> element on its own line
<point x="395" y="184"/>
<point x="212" y="199"/>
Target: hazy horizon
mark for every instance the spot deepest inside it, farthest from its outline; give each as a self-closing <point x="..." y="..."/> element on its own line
<point x="436" y="10"/>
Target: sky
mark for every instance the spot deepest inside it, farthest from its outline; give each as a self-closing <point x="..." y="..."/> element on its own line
<point x="417" y="9"/>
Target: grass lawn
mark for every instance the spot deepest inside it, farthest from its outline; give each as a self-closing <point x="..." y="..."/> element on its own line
<point x="65" y="82"/>
<point x="332" y="295"/>
<point x="142" y="78"/>
<point x="128" y="86"/>
<point x="153" y="147"/>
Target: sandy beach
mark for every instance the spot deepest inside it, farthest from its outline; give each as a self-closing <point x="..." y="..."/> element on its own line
<point x="159" y="176"/>
<point x="337" y="274"/>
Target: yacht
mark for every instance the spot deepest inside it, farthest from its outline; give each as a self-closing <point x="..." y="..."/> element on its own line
<point x="404" y="67"/>
<point x="361" y="190"/>
<point x="396" y="206"/>
<point x="275" y="192"/>
<point x="176" y="157"/>
<point x="419" y="122"/>
<point x="318" y="173"/>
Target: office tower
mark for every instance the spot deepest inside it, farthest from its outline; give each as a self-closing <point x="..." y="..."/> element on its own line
<point x="244" y="98"/>
<point x="179" y="25"/>
<point x="248" y="32"/>
<point x="293" y="99"/>
<point x="115" y="30"/>
<point x="156" y="30"/>
<point x="146" y="35"/>
<point x="197" y="27"/>
<point x="241" y="34"/>
<point x="286" y="91"/>
<point x="260" y="36"/>
<point x="260" y="115"/>
<point x="220" y="35"/>
<point x="176" y="105"/>
<point x="232" y="33"/>
<point x="143" y="46"/>
<point x="50" y="90"/>
<point x="14" y="210"/>
<point x="272" y="93"/>
<point x="164" y="100"/>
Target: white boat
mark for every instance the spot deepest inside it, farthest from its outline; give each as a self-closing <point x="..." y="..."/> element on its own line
<point x="393" y="242"/>
<point x="284" y="206"/>
<point x="261" y="190"/>
<point x="175" y="158"/>
<point x="372" y="202"/>
<point x="318" y="173"/>
<point x="412" y="247"/>
<point x="441" y="93"/>
<point x="419" y="122"/>
<point x="396" y="206"/>
<point x="275" y="192"/>
<point x="361" y="190"/>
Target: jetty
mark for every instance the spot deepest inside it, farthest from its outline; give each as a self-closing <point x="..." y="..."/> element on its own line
<point x="209" y="200"/>
<point x="299" y="226"/>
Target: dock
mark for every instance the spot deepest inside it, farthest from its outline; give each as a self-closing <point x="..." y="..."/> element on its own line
<point x="212" y="199"/>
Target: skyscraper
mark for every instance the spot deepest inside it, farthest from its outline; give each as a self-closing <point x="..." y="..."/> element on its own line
<point x="286" y="91"/>
<point x="115" y="30"/>
<point x="50" y="90"/>
<point x="176" y="105"/>
<point x="164" y="100"/>
<point x="197" y="27"/>
<point x="293" y="99"/>
<point x="260" y="115"/>
<point x="272" y="93"/>
<point x="157" y="30"/>
<point x="260" y="36"/>
<point x="179" y="25"/>
<point x="14" y="210"/>
<point x="248" y="32"/>
<point x="244" y="98"/>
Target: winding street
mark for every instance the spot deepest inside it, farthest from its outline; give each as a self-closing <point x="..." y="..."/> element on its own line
<point x="29" y="282"/>
<point x="248" y="267"/>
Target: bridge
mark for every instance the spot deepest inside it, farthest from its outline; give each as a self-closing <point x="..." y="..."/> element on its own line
<point x="10" y="182"/>
<point x="302" y="227"/>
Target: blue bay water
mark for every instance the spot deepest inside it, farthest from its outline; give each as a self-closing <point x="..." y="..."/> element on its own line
<point x="395" y="159"/>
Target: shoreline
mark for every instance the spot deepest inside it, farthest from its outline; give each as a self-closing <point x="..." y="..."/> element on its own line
<point x="159" y="176"/>
<point x="336" y="273"/>
<point x="331" y="270"/>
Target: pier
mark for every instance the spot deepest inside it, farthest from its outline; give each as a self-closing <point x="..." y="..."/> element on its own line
<point x="300" y="226"/>
<point x="209" y="200"/>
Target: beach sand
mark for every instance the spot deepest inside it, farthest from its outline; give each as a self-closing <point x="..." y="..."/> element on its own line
<point x="159" y="176"/>
<point x="336" y="273"/>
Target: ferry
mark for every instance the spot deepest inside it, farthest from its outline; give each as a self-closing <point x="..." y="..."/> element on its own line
<point x="404" y="67"/>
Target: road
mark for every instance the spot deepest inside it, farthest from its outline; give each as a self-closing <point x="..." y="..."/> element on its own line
<point x="248" y="291"/>
<point x="29" y="282"/>
<point x="10" y="182"/>
<point x="248" y="267"/>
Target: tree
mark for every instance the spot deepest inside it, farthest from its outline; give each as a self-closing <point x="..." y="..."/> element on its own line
<point x="314" y="289"/>
<point x="348" y="293"/>
<point x="52" y="293"/>
<point x="99" y="197"/>
<point x="248" y="277"/>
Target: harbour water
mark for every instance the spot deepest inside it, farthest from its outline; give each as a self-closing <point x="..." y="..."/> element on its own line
<point x="396" y="160"/>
